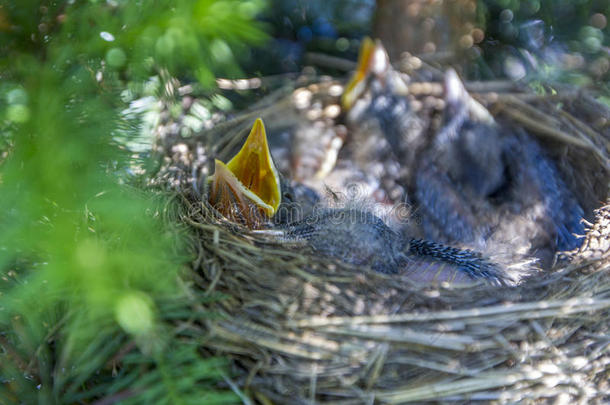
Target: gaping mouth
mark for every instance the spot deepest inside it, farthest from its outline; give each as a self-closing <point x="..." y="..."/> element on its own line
<point x="247" y="188"/>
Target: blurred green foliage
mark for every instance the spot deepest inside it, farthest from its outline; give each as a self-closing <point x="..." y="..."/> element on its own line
<point x="88" y="267"/>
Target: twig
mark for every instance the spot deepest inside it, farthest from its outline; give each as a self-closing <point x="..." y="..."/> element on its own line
<point x="588" y="132"/>
<point x="491" y="86"/>
<point x="244" y="399"/>
<point x="568" y="306"/>
<point x="328" y="61"/>
<point x="531" y="111"/>
<point x="543" y="129"/>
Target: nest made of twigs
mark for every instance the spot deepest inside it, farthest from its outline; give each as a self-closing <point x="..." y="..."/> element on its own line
<point x="299" y="328"/>
<point x="302" y="329"/>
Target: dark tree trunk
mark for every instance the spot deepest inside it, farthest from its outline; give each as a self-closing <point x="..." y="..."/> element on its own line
<point x="425" y="26"/>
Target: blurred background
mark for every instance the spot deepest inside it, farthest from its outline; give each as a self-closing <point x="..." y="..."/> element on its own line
<point x="534" y="39"/>
<point x="89" y="264"/>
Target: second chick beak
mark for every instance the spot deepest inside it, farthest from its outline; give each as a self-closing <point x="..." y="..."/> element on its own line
<point x="372" y="60"/>
<point x="247" y="188"/>
<point x="357" y="83"/>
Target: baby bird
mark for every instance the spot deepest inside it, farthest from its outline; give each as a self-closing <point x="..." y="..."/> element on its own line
<point x="469" y="146"/>
<point x="473" y="182"/>
<point x="360" y="238"/>
<point x="385" y="133"/>
<point x="483" y="185"/>
<point x="247" y="189"/>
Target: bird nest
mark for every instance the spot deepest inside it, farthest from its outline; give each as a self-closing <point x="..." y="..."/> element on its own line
<point x="300" y="328"/>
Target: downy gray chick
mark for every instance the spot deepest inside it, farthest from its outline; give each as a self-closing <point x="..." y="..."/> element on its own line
<point x="493" y="188"/>
<point x="360" y="238"/>
<point x="381" y="121"/>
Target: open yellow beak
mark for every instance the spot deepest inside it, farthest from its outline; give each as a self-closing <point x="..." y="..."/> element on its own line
<point x="247" y="189"/>
<point x="357" y="83"/>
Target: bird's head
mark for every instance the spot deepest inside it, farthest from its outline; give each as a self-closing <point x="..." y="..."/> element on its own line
<point x="247" y="188"/>
<point x="458" y="101"/>
<point x="373" y="62"/>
